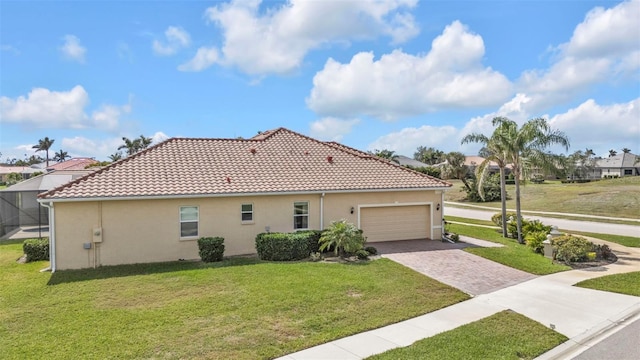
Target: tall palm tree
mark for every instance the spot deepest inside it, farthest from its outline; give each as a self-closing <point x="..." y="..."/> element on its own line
<point x="144" y="142"/>
<point x="494" y="151"/>
<point x="135" y="145"/>
<point x="612" y="153"/>
<point x="525" y="146"/>
<point x="626" y="150"/>
<point x="44" y="145"/>
<point x="386" y="154"/>
<point x="61" y="155"/>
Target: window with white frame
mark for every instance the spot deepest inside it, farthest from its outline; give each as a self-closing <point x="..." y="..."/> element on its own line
<point x="301" y="215"/>
<point x="246" y="212"/>
<point x="189" y="221"/>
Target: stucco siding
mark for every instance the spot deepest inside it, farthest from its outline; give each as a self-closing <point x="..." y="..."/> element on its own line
<point x="140" y="231"/>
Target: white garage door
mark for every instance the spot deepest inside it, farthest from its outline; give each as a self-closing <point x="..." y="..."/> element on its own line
<point x="395" y="222"/>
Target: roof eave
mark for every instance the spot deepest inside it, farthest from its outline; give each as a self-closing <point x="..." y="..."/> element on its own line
<point x="216" y="195"/>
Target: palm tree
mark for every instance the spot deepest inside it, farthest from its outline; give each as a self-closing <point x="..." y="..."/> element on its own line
<point x="115" y="156"/>
<point x="494" y="151"/>
<point x="525" y="146"/>
<point x="612" y="153"/>
<point x="626" y="150"/>
<point x="144" y="142"/>
<point x="44" y="145"/>
<point x="455" y="168"/>
<point x="387" y="154"/>
<point x="135" y="145"/>
<point x="60" y="156"/>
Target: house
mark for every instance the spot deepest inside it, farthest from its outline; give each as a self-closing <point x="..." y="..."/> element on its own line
<point x="154" y="205"/>
<point x="473" y="162"/>
<point x="407" y="161"/>
<point x="24" y="171"/>
<point x="18" y="203"/>
<point x="76" y="163"/>
<point x="625" y="164"/>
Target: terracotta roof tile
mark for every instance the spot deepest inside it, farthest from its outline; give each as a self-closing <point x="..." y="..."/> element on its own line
<point x="275" y="161"/>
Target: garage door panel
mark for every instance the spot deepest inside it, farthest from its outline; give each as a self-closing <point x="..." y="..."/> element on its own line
<point x="395" y="222"/>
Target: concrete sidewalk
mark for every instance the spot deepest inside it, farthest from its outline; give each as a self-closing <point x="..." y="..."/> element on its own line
<point x="580" y="314"/>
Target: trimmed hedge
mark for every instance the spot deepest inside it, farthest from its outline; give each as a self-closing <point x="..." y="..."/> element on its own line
<point x="313" y="238"/>
<point x="283" y="246"/>
<point x="36" y="249"/>
<point x="211" y="248"/>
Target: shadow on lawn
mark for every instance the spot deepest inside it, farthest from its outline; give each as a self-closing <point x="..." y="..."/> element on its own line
<point x="107" y="272"/>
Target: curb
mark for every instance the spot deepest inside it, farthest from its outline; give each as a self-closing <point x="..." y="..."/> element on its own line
<point x="582" y="342"/>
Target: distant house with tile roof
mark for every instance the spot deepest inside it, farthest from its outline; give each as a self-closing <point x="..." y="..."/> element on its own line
<point x="153" y="205"/>
<point x="625" y="164"/>
<point x="77" y="163"/>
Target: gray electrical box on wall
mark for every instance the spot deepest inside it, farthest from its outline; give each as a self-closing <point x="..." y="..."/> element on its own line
<point x="86" y="245"/>
<point x="97" y="235"/>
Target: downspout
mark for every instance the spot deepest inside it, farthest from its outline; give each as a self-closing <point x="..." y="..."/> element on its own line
<point x="52" y="236"/>
<point x="322" y="211"/>
<point x="442" y="214"/>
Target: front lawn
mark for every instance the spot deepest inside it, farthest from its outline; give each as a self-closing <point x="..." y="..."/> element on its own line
<point x="629" y="241"/>
<point x="236" y="309"/>
<point x="515" y="255"/>
<point x="628" y="283"/>
<point x="505" y="335"/>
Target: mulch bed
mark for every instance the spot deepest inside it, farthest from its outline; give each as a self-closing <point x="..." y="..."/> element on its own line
<point x="590" y="264"/>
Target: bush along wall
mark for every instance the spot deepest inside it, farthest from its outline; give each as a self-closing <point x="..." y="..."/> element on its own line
<point x="211" y="248"/>
<point x="36" y="249"/>
<point x="283" y="246"/>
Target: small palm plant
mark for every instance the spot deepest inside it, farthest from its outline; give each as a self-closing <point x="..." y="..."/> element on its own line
<point x="342" y="237"/>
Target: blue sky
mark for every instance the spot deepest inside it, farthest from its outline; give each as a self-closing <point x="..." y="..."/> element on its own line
<point x="391" y="74"/>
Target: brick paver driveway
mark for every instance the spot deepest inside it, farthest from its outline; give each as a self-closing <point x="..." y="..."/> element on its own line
<point x="449" y="264"/>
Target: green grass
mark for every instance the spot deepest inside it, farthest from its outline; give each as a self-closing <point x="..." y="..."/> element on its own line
<point x="628" y="283"/>
<point x="237" y="309"/>
<point x="612" y="197"/>
<point x="505" y="335"/>
<point x="512" y="254"/>
<point x="618" y="239"/>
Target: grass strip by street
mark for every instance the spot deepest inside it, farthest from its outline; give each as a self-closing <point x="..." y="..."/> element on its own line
<point x="618" y="239"/>
<point x="505" y="335"/>
<point x="515" y="255"/>
<point x="628" y="283"/>
<point x="239" y="308"/>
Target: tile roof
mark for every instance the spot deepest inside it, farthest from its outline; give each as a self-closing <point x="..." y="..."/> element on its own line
<point x="624" y="160"/>
<point x="276" y="161"/>
<point x="72" y="164"/>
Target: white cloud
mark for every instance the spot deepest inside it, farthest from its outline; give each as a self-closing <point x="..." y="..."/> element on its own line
<point x="72" y="49"/>
<point x="158" y="137"/>
<point x="176" y="39"/>
<point x="9" y="48"/>
<point x="276" y="40"/>
<point x="332" y="129"/>
<point x="83" y="147"/>
<point x="43" y="108"/>
<point x="596" y="126"/>
<point x="406" y="141"/>
<point x="603" y="47"/>
<point x="451" y="75"/>
<point x="204" y="58"/>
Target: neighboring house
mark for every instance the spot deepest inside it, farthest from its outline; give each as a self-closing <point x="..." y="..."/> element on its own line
<point x="79" y="163"/>
<point x="474" y="161"/>
<point x="24" y="171"/>
<point x="154" y="205"/>
<point x="407" y="161"/>
<point x="625" y="164"/>
<point x="18" y="203"/>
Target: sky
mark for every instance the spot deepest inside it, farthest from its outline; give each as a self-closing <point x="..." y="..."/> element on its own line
<point x="385" y="74"/>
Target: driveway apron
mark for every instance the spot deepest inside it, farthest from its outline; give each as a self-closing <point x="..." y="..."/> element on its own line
<point x="449" y="264"/>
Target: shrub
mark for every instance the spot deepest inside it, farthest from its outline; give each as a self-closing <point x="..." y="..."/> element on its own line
<point x="36" y="249"/>
<point x="371" y="250"/>
<point x="313" y="239"/>
<point x="282" y="246"/>
<point x="534" y="226"/>
<point x="343" y="237"/>
<point x="534" y="241"/>
<point x="603" y="251"/>
<point x="569" y="248"/>
<point x="455" y="237"/>
<point x="211" y="248"/>
<point x="491" y="188"/>
<point x="362" y="254"/>
<point x="497" y="218"/>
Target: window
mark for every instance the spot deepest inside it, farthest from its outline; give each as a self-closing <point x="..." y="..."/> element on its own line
<point x="188" y="221"/>
<point x="300" y="215"/>
<point x="247" y="212"/>
<point x="628" y="171"/>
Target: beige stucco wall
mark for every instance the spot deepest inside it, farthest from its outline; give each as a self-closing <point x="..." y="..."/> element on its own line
<point x="138" y="231"/>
